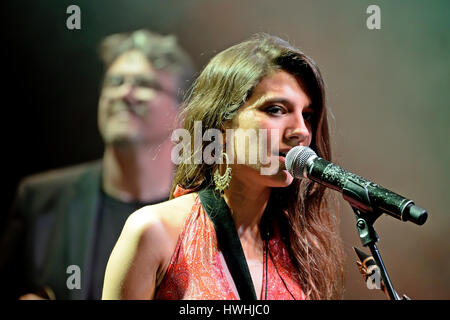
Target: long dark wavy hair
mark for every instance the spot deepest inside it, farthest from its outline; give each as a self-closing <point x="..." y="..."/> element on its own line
<point x="221" y="89"/>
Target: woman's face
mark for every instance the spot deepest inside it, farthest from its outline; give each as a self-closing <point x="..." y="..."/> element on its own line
<point x="280" y="105"/>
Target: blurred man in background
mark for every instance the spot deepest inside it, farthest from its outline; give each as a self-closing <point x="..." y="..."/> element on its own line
<point x="65" y="222"/>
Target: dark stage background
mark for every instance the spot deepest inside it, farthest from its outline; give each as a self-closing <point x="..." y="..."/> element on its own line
<point x="388" y="90"/>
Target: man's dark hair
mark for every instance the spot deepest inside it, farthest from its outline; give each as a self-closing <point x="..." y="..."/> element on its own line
<point x="163" y="52"/>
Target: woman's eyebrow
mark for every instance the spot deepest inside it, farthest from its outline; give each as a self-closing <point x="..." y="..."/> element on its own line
<point x="270" y="98"/>
<point x="276" y="99"/>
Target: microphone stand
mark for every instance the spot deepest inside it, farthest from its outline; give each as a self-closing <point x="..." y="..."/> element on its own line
<point x="358" y="197"/>
<point x="369" y="238"/>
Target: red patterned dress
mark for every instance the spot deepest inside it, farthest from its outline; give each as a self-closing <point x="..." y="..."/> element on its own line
<point x="196" y="269"/>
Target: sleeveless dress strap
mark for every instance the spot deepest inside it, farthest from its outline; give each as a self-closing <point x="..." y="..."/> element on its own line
<point x="229" y="243"/>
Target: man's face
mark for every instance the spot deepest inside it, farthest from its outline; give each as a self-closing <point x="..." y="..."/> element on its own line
<point x="137" y="104"/>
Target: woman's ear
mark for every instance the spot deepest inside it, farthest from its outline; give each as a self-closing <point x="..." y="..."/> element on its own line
<point x="228" y="124"/>
<point x="225" y="126"/>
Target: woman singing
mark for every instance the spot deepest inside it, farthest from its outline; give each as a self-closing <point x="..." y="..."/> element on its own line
<point x="232" y="231"/>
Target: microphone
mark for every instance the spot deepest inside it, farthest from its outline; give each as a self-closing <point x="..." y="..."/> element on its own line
<point x="303" y="162"/>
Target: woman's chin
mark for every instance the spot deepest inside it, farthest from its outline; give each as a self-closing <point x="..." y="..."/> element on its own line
<point x="282" y="179"/>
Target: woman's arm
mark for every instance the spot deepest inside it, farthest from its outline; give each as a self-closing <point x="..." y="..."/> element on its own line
<point x="142" y="254"/>
<point x="136" y="258"/>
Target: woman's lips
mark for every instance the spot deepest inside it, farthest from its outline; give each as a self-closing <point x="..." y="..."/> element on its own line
<point x="282" y="156"/>
<point x="282" y="160"/>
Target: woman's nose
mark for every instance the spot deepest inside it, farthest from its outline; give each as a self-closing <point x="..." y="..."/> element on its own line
<point x="298" y="131"/>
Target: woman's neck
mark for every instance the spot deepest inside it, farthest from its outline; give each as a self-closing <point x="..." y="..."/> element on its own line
<point x="247" y="202"/>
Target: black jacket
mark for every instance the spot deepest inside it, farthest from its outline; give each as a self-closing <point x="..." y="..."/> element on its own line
<point x="51" y="227"/>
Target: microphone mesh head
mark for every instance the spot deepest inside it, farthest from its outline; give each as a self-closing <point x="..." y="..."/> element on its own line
<point x="296" y="160"/>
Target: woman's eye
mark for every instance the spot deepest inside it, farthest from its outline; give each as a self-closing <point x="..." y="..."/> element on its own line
<point x="308" y="116"/>
<point x="275" y="110"/>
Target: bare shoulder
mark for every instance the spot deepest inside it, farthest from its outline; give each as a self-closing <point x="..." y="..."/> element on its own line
<point x="165" y="218"/>
<point x="141" y="256"/>
<point x="157" y="228"/>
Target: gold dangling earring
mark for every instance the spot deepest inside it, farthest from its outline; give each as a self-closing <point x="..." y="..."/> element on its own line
<point x="222" y="182"/>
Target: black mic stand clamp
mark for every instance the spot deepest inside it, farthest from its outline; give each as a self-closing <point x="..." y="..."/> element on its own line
<point x="365" y="216"/>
